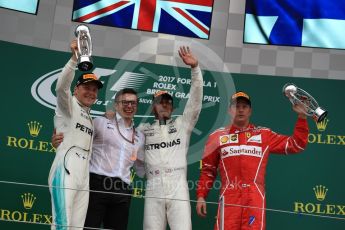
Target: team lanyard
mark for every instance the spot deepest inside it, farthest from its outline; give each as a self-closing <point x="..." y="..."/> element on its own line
<point x="118" y="129"/>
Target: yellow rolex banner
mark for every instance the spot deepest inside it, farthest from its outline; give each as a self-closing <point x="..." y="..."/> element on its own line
<point x="303" y="191"/>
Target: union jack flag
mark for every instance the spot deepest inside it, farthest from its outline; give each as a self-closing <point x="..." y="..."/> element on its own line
<point x="191" y="18"/>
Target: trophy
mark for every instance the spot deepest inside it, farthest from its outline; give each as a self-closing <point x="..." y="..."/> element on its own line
<point x="299" y="96"/>
<point x="82" y="33"/>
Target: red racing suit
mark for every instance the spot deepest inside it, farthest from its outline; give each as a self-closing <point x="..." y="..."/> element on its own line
<point x="241" y="156"/>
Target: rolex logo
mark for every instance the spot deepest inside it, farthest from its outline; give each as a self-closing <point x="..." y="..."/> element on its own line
<point x="321" y="126"/>
<point x="320" y="192"/>
<point x="28" y="200"/>
<point x="34" y="128"/>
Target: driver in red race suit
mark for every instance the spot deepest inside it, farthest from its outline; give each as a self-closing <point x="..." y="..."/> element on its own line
<point x="241" y="151"/>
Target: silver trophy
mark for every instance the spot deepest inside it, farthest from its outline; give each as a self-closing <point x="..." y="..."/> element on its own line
<point x="84" y="53"/>
<point x="299" y="96"/>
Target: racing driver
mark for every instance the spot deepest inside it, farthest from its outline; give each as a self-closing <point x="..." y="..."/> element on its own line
<point x="69" y="173"/>
<point x="166" y="148"/>
<point x="241" y="151"/>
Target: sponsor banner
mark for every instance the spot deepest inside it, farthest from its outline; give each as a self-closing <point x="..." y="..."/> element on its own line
<point x="26" y="152"/>
<point x="231" y="151"/>
<point x="319" y="205"/>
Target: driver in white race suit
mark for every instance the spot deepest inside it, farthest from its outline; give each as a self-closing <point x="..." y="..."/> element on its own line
<point x="69" y="174"/>
<point x="166" y="147"/>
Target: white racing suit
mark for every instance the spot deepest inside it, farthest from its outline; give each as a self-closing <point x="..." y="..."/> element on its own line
<point x="166" y="148"/>
<point x="70" y="170"/>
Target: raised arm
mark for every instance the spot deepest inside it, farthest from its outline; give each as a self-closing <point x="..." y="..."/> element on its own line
<point x="295" y="143"/>
<point x="63" y="85"/>
<point x="193" y="106"/>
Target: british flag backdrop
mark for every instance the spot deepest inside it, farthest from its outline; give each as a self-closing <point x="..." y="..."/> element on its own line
<point x="191" y="18"/>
